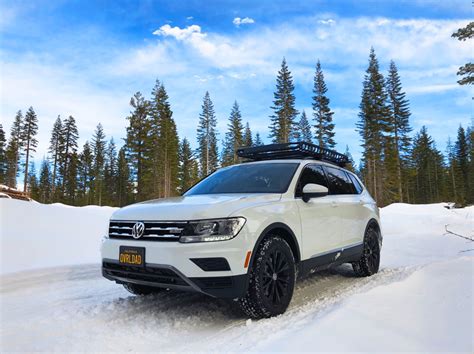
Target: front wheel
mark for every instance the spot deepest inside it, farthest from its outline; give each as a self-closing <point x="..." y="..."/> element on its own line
<point x="369" y="263"/>
<point x="272" y="280"/>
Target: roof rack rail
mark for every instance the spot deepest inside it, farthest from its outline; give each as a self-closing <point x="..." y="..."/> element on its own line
<point x="296" y="150"/>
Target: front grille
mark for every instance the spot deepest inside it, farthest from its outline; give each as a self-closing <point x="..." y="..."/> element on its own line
<point x="154" y="230"/>
<point x="155" y="275"/>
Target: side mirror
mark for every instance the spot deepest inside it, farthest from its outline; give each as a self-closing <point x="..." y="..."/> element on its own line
<point x="312" y="190"/>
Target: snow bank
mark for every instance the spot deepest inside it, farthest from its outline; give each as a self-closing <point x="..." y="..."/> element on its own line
<point x="35" y="235"/>
<point x="421" y="300"/>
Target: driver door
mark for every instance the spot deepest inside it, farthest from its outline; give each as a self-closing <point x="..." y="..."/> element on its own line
<point x="319" y="222"/>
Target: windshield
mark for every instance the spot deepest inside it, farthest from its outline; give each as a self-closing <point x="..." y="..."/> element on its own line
<point x="251" y="178"/>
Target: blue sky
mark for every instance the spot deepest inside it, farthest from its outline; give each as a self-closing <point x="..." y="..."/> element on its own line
<point x="86" y="59"/>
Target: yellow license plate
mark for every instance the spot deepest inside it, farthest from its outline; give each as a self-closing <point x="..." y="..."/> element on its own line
<point x="134" y="256"/>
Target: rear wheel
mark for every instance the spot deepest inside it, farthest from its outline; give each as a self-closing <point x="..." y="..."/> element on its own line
<point x="370" y="261"/>
<point x="272" y="280"/>
<point x="137" y="289"/>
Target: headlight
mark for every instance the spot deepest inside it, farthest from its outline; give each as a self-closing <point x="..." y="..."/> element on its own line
<point x="212" y="230"/>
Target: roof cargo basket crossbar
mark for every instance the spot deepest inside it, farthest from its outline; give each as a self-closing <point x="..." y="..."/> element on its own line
<point x="295" y="150"/>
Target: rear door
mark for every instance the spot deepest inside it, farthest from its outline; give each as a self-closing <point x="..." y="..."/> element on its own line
<point x="348" y="206"/>
<point x="319" y="225"/>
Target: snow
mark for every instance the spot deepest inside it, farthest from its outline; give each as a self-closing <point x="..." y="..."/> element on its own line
<point x="421" y="300"/>
<point x="35" y="235"/>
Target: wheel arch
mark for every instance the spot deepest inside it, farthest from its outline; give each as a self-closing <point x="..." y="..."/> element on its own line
<point x="285" y="232"/>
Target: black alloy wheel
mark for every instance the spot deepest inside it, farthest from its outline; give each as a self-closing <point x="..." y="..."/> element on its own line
<point x="271" y="279"/>
<point x="369" y="263"/>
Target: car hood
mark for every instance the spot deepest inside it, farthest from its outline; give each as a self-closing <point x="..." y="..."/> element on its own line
<point x="192" y="207"/>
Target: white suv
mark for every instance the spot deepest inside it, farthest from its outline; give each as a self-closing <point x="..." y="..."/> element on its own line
<point x="247" y="231"/>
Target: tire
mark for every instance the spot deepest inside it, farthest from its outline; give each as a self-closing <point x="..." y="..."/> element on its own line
<point x="137" y="289"/>
<point x="271" y="280"/>
<point x="370" y="261"/>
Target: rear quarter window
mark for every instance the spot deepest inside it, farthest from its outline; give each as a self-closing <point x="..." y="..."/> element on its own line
<point x="339" y="182"/>
<point x="358" y="187"/>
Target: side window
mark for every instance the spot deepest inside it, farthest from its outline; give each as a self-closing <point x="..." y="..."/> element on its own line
<point x="339" y="183"/>
<point x="358" y="187"/>
<point x="311" y="174"/>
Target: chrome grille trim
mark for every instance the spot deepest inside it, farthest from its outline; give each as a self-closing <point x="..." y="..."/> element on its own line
<point x="154" y="230"/>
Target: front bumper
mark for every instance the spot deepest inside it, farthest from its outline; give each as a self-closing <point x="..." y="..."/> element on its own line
<point x="172" y="265"/>
<point x="166" y="276"/>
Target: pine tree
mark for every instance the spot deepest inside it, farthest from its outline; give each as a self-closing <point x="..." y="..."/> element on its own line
<point x="70" y="192"/>
<point x="467" y="70"/>
<point x="56" y="146"/>
<point x="247" y="138"/>
<point x="110" y="174"/>
<point x="258" y="140"/>
<point x="166" y="144"/>
<point x="321" y="112"/>
<point x="470" y="135"/>
<point x="32" y="182"/>
<point x="207" y="138"/>
<point x="85" y="174"/>
<point x="372" y="126"/>
<point x="351" y="164"/>
<point x="428" y="168"/>
<point x="283" y="119"/>
<point x="124" y="183"/>
<point x="98" y="151"/>
<point x="3" y="156"/>
<point x="45" y="183"/>
<point x="233" y="138"/>
<point x="28" y="136"/>
<point x="303" y="130"/>
<point x="14" y="150"/>
<point x="138" y="145"/>
<point x="399" y="126"/>
<point x="462" y="161"/>
<point x="452" y="170"/>
<point x="187" y="175"/>
<point x="70" y="135"/>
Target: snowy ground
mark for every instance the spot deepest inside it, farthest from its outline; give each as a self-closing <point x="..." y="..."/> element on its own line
<point x="422" y="299"/>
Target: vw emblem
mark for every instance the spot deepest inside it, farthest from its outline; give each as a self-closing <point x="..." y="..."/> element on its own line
<point x="138" y="229"/>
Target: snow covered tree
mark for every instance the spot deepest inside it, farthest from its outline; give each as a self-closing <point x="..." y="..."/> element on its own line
<point x="303" y="129"/>
<point x="187" y="175"/>
<point x="98" y="151"/>
<point x="283" y="119"/>
<point x="322" y="114"/>
<point x="14" y="150"/>
<point x="28" y="136"/>
<point x="207" y="138"/>
<point x="233" y="137"/>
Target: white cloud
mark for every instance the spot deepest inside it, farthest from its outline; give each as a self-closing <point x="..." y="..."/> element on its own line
<point x="243" y="21"/>
<point x="179" y="33"/>
<point x="189" y="18"/>
<point x="328" y="22"/>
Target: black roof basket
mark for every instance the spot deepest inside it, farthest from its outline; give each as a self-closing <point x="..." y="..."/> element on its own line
<point x="296" y="150"/>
